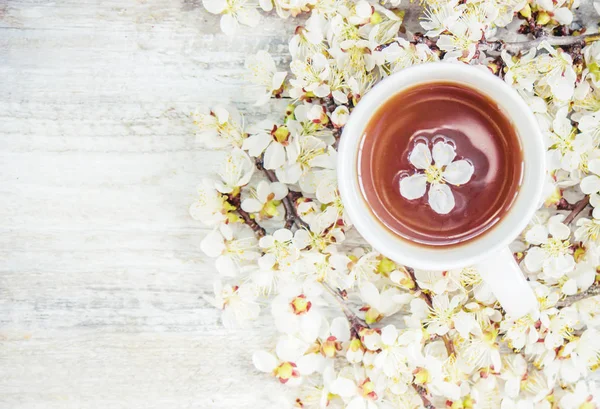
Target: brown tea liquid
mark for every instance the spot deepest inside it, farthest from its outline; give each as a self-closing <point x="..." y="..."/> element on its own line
<point x="480" y="133"/>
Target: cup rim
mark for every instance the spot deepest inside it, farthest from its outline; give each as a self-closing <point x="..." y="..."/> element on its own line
<point x="505" y="230"/>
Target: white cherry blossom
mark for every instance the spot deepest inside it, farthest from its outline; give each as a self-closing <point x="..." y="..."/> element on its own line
<point x="311" y="75"/>
<point x="559" y="10"/>
<point x="585" y="395"/>
<point x="437" y="174"/>
<point x="557" y="72"/>
<point x="210" y="208"/>
<point x="554" y="255"/>
<point x="235" y="171"/>
<point x="268" y="138"/>
<point x="279" y="249"/>
<point x="380" y="303"/>
<point x="340" y="116"/>
<point x="238" y="304"/>
<point x="358" y="390"/>
<point x="296" y="310"/>
<point x="289" y="364"/>
<point x="401" y="54"/>
<point x="566" y="148"/>
<point x="233" y="13"/>
<point x="219" y="127"/>
<point x="261" y="70"/>
<point x="589" y="124"/>
<point x="265" y="199"/>
<point x="233" y="246"/>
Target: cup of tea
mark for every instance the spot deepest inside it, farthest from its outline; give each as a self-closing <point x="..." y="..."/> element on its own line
<point x="441" y="166"/>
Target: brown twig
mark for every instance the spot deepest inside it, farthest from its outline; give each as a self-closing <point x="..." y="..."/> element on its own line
<point x="257" y="228"/>
<point x="291" y="215"/>
<point x="427" y="298"/>
<point x="516" y="47"/>
<point x="356" y="323"/>
<point x="593" y="291"/>
<point x="422" y="391"/>
<point x="578" y="208"/>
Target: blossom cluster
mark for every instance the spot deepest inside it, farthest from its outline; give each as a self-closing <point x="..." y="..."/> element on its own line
<point x="404" y="338"/>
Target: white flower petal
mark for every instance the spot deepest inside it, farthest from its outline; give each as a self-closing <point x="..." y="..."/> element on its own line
<point x="214" y="6"/>
<point x="264" y="361"/>
<point x="257" y="143"/>
<point x="569" y="287"/>
<point x="340" y="329"/>
<point x="278" y="78"/>
<point x="369" y="293"/>
<point x="420" y="156"/>
<point x="357" y="403"/>
<point x="263" y="190"/>
<point x="459" y="172"/>
<point x="389" y="334"/>
<point x="594" y="166"/>
<point x="343" y="386"/>
<point x="538" y="234"/>
<point x="279" y="190"/>
<point x="363" y="9"/>
<point x="249" y="16"/>
<point x="443" y="154"/>
<point x="534" y="259"/>
<point x="559" y="230"/>
<point x="229" y="24"/>
<point x="266" y="5"/>
<point x="590" y="184"/>
<point x="310" y="363"/>
<point x="290" y="349"/>
<point x="212" y="245"/>
<point x="563" y="15"/>
<point x="274" y="156"/>
<point x="441" y="198"/>
<point x="413" y="187"/>
<point x="251" y="205"/>
<point x="283" y="235"/>
<point x="226" y="266"/>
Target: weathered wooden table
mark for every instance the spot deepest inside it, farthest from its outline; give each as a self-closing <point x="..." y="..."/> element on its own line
<point x="101" y="274"/>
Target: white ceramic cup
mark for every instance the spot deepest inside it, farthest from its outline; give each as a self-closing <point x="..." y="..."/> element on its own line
<point x="489" y="252"/>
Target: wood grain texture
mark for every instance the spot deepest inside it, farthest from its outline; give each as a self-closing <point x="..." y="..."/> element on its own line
<point x="101" y="275"/>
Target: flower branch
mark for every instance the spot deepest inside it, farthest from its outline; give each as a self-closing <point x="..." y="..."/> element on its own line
<point x="593" y="291"/>
<point x="291" y="215"/>
<point x="422" y="391"/>
<point x="356" y="323"/>
<point x="559" y="41"/>
<point x="246" y="217"/>
<point x="578" y="208"/>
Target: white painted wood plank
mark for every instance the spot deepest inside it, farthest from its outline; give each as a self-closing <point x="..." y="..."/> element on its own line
<point x="101" y="276"/>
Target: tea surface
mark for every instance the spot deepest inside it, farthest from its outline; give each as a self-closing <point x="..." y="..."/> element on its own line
<point x="446" y="194"/>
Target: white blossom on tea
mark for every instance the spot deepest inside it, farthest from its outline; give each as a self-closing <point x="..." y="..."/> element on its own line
<point x="437" y="174"/>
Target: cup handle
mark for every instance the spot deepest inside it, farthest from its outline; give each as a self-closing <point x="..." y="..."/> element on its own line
<point x="502" y="273"/>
